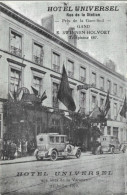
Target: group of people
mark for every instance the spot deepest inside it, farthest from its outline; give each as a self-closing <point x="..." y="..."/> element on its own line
<point x="10" y="150"/>
<point x="7" y="149"/>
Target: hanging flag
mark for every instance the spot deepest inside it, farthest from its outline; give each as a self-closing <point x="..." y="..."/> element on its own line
<point x="15" y="94"/>
<point x="64" y="93"/>
<point x="44" y="96"/>
<point x="107" y="105"/>
<point x="124" y="109"/>
<point x="35" y="91"/>
<point x="20" y="95"/>
<point x="11" y="95"/>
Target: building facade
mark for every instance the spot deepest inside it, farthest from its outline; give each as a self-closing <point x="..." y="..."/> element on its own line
<point x="30" y="55"/>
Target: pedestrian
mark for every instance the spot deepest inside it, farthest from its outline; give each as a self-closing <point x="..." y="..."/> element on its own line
<point x="1" y="148"/>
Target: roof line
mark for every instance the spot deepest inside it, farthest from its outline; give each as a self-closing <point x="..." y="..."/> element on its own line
<point x="40" y="29"/>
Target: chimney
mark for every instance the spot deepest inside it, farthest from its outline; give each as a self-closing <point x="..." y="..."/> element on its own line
<point x="48" y="23"/>
<point x="72" y="37"/>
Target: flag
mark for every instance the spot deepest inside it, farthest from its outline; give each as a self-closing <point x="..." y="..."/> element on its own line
<point x="44" y="96"/>
<point x="107" y="105"/>
<point x="20" y="95"/>
<point x="124" y="109"/>
<point x="64" y="93"/>
<point x="35" y="91"/>
<point x="11" y="95"/>
<point x="15" y="94"/>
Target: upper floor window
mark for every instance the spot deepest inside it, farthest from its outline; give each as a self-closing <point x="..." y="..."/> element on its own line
<point x="108" y="130"/>
<point x="93" y="79"/>
<point x="54" y="95"/>
<point x="56" y="62"/>
<point x="82" y="74"/>
<point x="101" y="102"/>
<point x="15" y="79"/>
<point x="38" y="54"/>
<point x="93" y="102"/>
<point x="115" y="110"/>
<point x="109" y="86"/>
<point x="82" y="101"/>
<point x="102" y="83"/>
<point x="121" y="91"/>
<point x="70" y="69"/>
<point x="15" y="43"/>
<point x="37" y="83"/>
<point x="115" y="89"/>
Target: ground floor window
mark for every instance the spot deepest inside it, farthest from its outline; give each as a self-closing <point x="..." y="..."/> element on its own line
<point x="108" y="130"/>
<point x="115" y="131"/>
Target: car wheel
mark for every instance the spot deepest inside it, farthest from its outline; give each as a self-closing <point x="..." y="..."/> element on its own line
<point x="78" y="153"/>
<point x="53" y="155"/>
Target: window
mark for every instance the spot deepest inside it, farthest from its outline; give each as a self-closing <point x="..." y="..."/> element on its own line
<point x="37" y="84"/>
<point x="62" y="139"/>
<point x="38" y="54"/>
<point x="115" y="110"/>
<point x="108" y="130"/>
<point x="72" y="92"/>
<point x="55" y="92"/>
<point x="56" y="62"/>
<point x="121" y="91"/>
<point x="15" y="79"/>
<point x="15" y="44"/>
<point x="57" y="139"/>
<point x="102" y="83"/>
<point x="82" y="74"/>
<point x="93" y="102"/>
<point x="115" y="89"/>
<point x="82" y="102"/>
<point x="52" y="139"/>
<point x="115" y="132"/>
<point x="109" y="86"/>
<point x="93" y="79"/>
<point x="70" y="69"/>
<point x="101" y="103"/>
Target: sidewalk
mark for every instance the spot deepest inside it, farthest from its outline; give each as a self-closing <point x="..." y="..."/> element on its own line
<point x="30" y="159"/>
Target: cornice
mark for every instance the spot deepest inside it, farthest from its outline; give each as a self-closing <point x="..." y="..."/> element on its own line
<point x="59" y="78"/>
<point x="37" y="70"/>
<point x="16" y="62"/>
<point x="41" y="30"/>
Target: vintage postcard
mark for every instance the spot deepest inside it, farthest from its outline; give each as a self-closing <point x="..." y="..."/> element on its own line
<point x="63" y="90"/>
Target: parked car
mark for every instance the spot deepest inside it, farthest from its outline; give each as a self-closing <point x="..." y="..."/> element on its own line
<point x="109" y="143"/>
<point x="54" y="145"/>
<point x="123" y="147"/>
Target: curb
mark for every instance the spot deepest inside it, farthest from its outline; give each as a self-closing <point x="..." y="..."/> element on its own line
<point x="25" y="161"/>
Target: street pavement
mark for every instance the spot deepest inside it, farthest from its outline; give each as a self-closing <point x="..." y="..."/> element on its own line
<point x="90" y="175"/>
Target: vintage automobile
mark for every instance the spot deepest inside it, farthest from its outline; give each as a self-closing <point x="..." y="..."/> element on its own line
<point x="54" y="145"/>
<point x="109" y="144"/>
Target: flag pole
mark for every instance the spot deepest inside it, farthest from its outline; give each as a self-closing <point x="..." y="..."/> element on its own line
<point x="119" y="108"/>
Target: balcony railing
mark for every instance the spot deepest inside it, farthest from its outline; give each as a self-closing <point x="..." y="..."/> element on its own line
<point x="70" y="74"/>
<point x="16" y="51"/>
<point x="56" y="68"/>
<point x="38" y="60"/>
<point x="83" y="79"/>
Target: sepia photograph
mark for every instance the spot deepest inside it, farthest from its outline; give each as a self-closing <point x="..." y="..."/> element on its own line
<point x="63" y="97"/>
